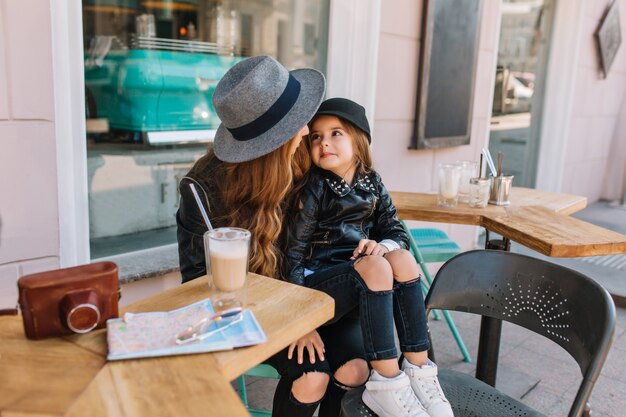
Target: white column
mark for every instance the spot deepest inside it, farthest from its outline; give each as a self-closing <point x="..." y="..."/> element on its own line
<point x="559" y="94"/>
<point x="69" y="116"/>
<point x="354" y="31"/>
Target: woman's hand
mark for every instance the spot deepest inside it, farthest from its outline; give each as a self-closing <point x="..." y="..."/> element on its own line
<point x="312" y="342"/>
<point x="368" y="247"/>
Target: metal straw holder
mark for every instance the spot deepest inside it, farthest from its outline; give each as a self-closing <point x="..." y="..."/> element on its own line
<point x="500" y="190"/>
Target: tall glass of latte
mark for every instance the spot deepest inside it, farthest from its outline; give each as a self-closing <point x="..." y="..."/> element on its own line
<point x="227" y="253"/>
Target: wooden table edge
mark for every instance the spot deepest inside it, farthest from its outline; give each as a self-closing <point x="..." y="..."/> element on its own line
<point x="610" y="244"/>
<point x="100" y="398"/>
<point x="229" y="369"/>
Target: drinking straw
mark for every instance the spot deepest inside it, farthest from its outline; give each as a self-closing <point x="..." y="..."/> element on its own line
<point x="201" y="207"/>
<point x="480" y="167"/>
<point x="500" y="160"/>
<point x="492" y="166"/>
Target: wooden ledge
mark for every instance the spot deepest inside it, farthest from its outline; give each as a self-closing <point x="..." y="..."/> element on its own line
<point x="554" y="234"/>
<point x="536" y="219"/>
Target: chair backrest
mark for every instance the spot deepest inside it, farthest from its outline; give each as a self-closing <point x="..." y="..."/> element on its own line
<point x="561" y="304"/>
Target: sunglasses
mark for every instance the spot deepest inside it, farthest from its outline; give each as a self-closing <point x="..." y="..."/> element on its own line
<point x="198" y="331"/>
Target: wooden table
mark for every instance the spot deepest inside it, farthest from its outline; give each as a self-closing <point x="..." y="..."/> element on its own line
<point x="70" y="376"/>
<point x="536" y="219"/>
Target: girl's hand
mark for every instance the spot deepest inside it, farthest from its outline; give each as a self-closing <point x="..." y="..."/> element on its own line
<point x="368" y="247"/>
<point x="312" y="342"/>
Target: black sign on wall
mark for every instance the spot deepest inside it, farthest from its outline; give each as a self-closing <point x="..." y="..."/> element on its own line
<point x="447" y="71"/>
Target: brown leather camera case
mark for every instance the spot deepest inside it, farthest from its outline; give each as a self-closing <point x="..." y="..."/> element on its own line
<point x="69" y="300"/>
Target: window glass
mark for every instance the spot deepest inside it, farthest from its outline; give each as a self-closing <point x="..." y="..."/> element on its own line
<point x="521" y="34"/>
<point x="151" y="67"/>
<point x="518" y="98"/>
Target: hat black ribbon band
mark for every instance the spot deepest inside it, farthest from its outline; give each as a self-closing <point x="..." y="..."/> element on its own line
<point x="272" y="116"/>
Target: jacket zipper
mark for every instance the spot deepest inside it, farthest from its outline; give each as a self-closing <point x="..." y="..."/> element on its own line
<point x="368" y="216"/>
<point x="326" y="241"/>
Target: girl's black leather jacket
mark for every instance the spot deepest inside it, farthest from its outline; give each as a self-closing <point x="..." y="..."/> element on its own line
<point x="334" y="217"/>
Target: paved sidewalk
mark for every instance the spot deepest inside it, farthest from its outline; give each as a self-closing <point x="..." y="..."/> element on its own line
<point x="532" y="368"/>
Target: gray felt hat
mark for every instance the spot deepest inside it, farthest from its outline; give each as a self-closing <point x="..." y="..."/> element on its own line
<point x="262" y="106"/>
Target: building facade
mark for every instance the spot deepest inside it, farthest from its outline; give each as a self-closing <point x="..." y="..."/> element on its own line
<point x="56" y="191"/>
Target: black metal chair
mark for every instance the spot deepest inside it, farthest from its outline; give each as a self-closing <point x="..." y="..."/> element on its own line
<point x="556" y="302"/>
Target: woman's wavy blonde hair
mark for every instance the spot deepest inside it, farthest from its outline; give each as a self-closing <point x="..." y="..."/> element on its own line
<point x="257" y="193"/>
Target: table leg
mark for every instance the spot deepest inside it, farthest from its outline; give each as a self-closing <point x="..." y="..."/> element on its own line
<point x="490" y="330"/>
<point x="488" y="350"/>
<point x="497" y="244"/>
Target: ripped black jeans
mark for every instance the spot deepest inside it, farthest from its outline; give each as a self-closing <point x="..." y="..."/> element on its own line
<point x="342" y="343"/>
<point x="361" y="328"/>
<point x="377" y="310"/>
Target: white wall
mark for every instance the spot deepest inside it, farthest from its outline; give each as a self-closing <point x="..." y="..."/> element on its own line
<point x="614" y="187"/>
<point x="414" y="170"/>
<point x="596" y="109"/>
<point x="29" y="226"/>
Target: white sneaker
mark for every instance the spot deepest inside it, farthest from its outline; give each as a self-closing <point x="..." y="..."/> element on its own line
<point x="392" y="397"/>
<point x="426" y="386"/>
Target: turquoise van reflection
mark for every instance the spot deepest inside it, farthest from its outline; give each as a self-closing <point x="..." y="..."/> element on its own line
<point x="148" y="90"/>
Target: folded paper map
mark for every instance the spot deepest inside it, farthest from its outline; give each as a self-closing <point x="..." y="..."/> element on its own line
<point x="140" y="335"/>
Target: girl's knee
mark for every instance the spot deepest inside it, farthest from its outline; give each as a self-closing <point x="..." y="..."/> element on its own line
<point x="403" y="264"/>
<point x="376" y="272"/>
<point x="310" y="387"/>
<point x="399" y="257"/>
<point x="353" y="373"/>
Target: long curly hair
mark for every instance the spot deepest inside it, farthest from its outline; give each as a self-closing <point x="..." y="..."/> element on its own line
<point x="256" y="195"/>
<point x="361" y="147"/>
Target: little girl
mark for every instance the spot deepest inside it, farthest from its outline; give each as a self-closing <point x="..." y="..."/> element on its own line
<point x="346" y="241"/>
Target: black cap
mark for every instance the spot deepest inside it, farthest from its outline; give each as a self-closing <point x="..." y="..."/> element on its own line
<point x="347" y="110"/>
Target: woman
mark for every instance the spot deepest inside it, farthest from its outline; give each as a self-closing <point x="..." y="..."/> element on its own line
<point x="246" y="181"/>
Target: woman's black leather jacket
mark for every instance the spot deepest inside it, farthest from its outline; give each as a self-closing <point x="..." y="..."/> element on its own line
<point x="191" y="226"/>
<point x="334" y="217"/>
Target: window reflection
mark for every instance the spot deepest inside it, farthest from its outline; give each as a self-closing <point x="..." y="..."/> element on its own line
<point x="521" y="34"/>
<point x="151" y="67"/>
<point x="523" y="54"/>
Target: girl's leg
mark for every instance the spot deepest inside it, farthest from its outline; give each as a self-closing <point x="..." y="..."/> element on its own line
<point x="301" y="386"/>
<point x="374" y="301"/>
<point x="369" y="285"/>
<point x="410" y="318"/>
<point x="343" y="335"/>
<point x="377" y="274"/>
<point x="409" y="311"/>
